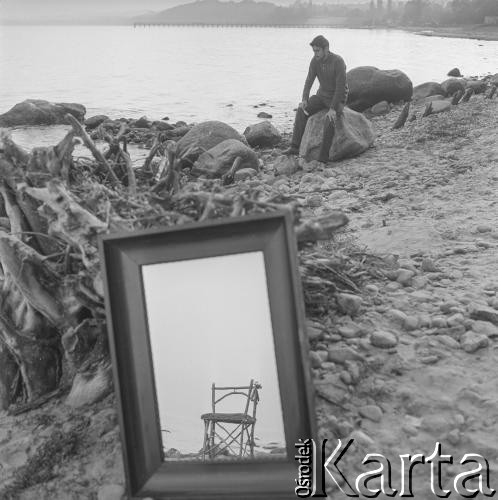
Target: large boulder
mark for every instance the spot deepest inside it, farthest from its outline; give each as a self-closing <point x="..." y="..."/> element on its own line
<point x="452" y="85"/>
<point x="95" y="121"/>
<point x="354" y="134"/>
<point x="369" y="85"/>
<point x="218" y="160"/>
<point x="39" y="112"/>
<point x="204" y="136"/>
<point x="427" y="89"/>
<point x="262" y="134"/>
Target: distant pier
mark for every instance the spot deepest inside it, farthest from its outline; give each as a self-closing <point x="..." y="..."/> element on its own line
<point x="234" y="25"/>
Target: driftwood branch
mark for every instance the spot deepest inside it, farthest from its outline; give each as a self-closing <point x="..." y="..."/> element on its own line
<point x="491" y="92"/>
<point x="153" y="150"/>
<point x="456" y="97"/>
<point x="400" y="122"/>
<point x="468" y="94"/>
<point x="229" y="176"/>
<point x="132" y="182"/>
<point x="14" y="213"/>
<point x="68" y="219"/>
<point x="427" y="110"/>
<point x="80" y="131"/>
<point x="29" y="273"/>
<point x="321" y="228"/>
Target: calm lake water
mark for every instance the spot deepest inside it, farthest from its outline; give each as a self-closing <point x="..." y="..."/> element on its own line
<point x="196" y="74"/>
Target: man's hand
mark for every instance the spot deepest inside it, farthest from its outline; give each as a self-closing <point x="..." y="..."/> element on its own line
<point x="339" y="109"/>
<point x="303" y="104"/>
<point x="331" y="113"/>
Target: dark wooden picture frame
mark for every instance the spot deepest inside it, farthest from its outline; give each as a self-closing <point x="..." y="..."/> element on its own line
<point x="122" y="257"/>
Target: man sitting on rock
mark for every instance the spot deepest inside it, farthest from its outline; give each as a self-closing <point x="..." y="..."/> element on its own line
<point x="332" y="94"/>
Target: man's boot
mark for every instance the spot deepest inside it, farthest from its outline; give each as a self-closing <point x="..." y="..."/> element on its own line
<point x="292" y="150"/>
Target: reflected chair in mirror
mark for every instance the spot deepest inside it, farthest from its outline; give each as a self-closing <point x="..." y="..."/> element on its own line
<point x="231" y="434"/>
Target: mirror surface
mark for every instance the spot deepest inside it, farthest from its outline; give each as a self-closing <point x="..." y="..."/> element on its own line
<point x="209" y="323"/>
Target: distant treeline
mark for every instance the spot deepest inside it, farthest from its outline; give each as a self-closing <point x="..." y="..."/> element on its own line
<point x="426" y="12"/>
<point x="377" y="13"/>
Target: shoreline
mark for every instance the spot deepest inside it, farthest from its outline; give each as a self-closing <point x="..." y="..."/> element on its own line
<point x="488" y="33"/>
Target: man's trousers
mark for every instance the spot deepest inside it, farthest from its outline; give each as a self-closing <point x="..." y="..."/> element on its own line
<point x="315" y="104"/>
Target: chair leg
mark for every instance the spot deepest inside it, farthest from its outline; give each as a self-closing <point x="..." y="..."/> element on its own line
<point x="241" y="440"/>
<point x="212" y="451"/>
<point x="251" y="444"/>
<point x="205" y="443"/>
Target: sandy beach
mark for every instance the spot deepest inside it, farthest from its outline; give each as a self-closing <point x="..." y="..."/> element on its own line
<point x="422" y="207"/>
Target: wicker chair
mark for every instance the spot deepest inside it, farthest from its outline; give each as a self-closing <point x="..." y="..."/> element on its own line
<point x="231" y="434"/>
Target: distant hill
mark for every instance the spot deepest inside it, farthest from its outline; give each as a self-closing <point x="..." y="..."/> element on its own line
<point x="218" y="12"/>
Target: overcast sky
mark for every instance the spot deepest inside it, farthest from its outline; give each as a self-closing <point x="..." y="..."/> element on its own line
<point x="32" y="10"/>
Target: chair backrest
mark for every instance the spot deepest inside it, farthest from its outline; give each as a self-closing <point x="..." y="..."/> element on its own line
<point x="249" y="395"/>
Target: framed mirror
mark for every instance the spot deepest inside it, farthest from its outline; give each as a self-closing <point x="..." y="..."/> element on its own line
<point x="210" y="359"/>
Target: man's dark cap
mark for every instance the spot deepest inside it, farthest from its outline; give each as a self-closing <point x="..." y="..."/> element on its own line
<point x="320" y="41"/>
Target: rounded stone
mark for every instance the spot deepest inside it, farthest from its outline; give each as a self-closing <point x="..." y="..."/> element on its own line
<point x="404" y="276"/>
<point x="472" y="341"/>
<point x="314" y="200"/>
<point x="411" y="323"/>
<point x="111" y="492"/>
<point x="345" y="376"/>
<point x="349" y="331"/>
<point x="439" y="322"/>
<point x="453" y="437"/>
<point x="429" y="266"/>
<point x="372" y="412"/>
<point x="343" y="354"/>
<point x="397" y="316"/>
<point x="316" y="361"/>
<point x="349" y="303"/>
<point x="383" y="339"/>
<point x="455" y="319"/>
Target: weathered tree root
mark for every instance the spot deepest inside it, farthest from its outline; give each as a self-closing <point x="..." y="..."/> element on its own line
<point x="52" y="312"/>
